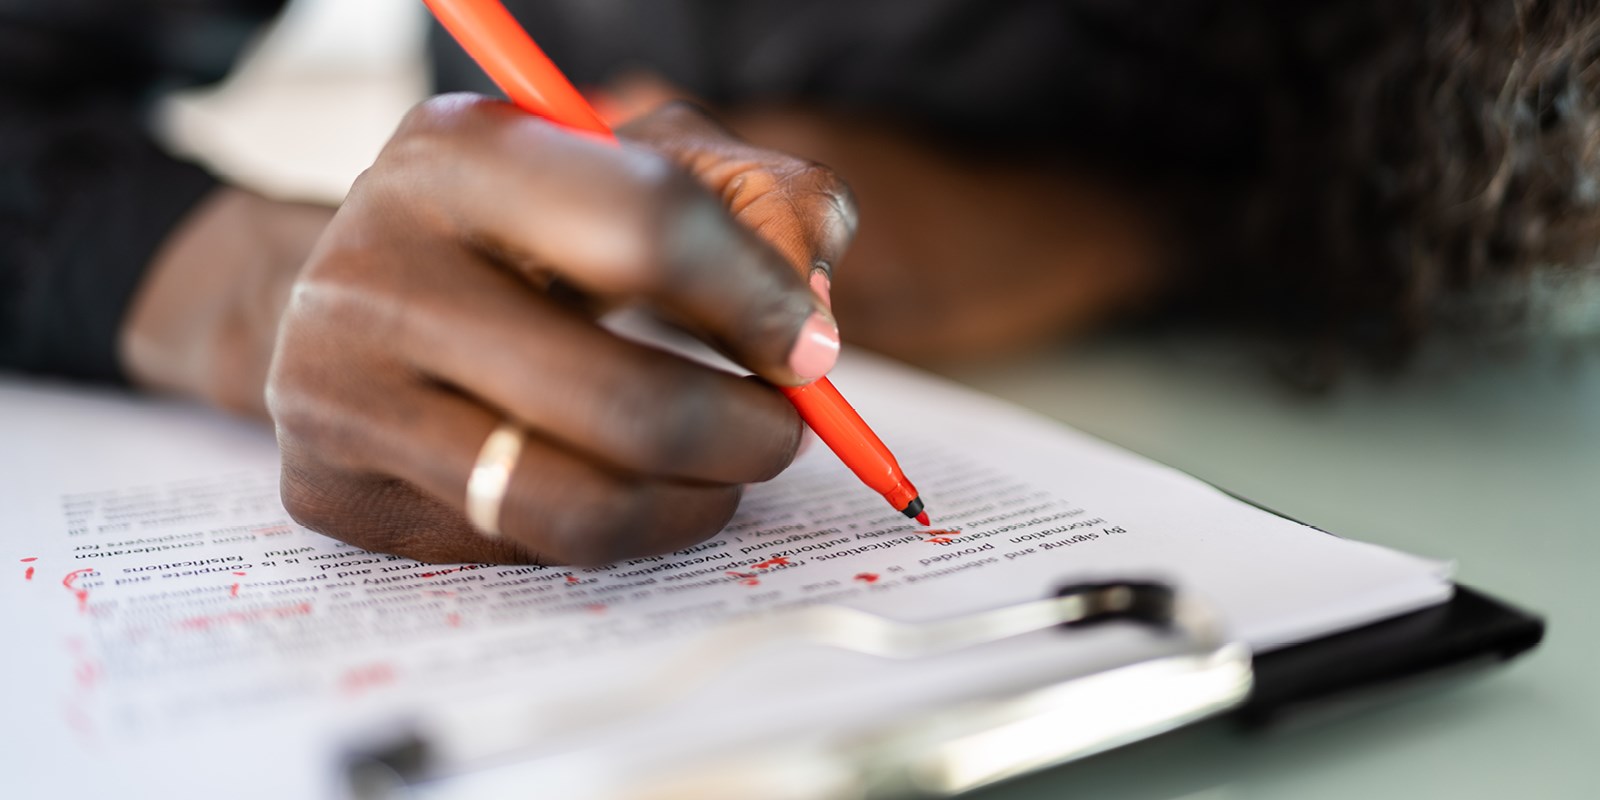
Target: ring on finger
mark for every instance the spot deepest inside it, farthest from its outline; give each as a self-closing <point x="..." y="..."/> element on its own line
<point x="491" y="475"/>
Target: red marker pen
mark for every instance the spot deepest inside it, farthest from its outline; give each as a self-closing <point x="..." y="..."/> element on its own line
<point x="488" y="32"/>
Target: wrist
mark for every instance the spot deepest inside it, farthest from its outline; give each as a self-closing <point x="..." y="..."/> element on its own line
<point x="205" y="317"/>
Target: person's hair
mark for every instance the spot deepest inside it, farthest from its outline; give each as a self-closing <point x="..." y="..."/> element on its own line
<point x="1347" y="172"/>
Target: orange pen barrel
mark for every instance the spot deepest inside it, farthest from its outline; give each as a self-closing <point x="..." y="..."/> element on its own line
<point x="488" y="32"/>
<point x="842" y="429"/>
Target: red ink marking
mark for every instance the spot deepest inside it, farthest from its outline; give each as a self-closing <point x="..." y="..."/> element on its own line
<point x="779" y="561"/>
<point x="87" y="673"/>
<point x="30" y="559"/>
<point x="233" y="591"/>
<point x="453" y="619"/>
<point x="271" y="530"/>
<point x="746" y="578"/>
<point x="203" y="623"/>
<point x="938" y="540"/>
<point x="238" y="573"/>
<point x="360" y="679"/>
<point x="462" y="568"/>
<point x="81" y="594"/>
<point x="867" y="577"/>
<point x="572" y="579"/>
<point x="27" y="574"/>
<point x="598" y="608"/>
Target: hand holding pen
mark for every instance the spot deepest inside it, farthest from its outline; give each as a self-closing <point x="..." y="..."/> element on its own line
<point x="445" y="327"/>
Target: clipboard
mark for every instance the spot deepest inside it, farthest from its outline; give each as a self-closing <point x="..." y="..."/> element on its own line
<point x="952" y="749"/>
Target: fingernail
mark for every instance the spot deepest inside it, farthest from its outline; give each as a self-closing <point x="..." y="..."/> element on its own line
<point x="817" y="348"/>
<point x="823" y="286"/>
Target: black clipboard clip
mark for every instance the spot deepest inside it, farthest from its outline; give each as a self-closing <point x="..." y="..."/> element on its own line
<point x="945" y="750"/>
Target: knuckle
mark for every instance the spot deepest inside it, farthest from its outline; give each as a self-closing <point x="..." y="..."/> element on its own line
<point x="445" y="123"/>
<point x="669" y="227"/>
<point x="317" y="426"/>
<point x="442" y="114"/>
<point x="829" y="196"/>
<point x="663" y="182"/>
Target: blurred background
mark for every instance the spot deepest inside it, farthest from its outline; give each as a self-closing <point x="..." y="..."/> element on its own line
<point x="1485" y="452"/>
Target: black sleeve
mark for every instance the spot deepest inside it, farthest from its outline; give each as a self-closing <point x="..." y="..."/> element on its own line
<point x="86" y="197"/>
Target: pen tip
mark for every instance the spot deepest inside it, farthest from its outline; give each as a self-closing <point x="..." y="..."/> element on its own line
<point x="923" y="518"/>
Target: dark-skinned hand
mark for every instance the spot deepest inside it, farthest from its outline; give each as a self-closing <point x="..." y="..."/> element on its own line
<point x="458" y="286"/>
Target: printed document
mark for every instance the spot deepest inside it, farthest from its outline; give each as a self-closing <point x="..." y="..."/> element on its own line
<point x="168" y="626"/>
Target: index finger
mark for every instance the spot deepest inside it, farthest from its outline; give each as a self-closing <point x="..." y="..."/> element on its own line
<point x="619" y="221"/>
<point x="803" y="209"/>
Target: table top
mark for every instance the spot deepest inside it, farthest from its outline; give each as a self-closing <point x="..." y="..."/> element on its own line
<point x="1492" y="460"/>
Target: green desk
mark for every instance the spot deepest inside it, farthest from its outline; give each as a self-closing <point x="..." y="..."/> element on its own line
<point x="1495" y="464"/>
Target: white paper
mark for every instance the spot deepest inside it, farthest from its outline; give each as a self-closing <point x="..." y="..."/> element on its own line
<point x="180" y="632"/>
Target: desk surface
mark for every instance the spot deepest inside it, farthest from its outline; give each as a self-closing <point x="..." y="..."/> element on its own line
<point x="1495" y="464"/>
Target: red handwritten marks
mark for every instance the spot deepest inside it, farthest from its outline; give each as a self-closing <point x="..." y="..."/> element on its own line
<point x="746" y="578"/>
<point x="453" y="616"/>
<point x="272" y="530"/>
<point x="233" y="591"/>
<point x="867" y="577"/>
<point x="572" y="579"/>
<point x="596" y="608"/>
<point x="81" y="594"/>
<point x="87" y="673"/>
<point x="27" y="575"/>
<point x="360" y="679"/>
<point x="462" y="568"/>
<point x="754" y="578"/>
<point x="207" y="622"/>
<point x="939" y="537"/>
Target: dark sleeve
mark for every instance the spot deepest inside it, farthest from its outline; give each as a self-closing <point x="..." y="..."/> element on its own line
<point x="1102" y="77"/>
<point x="86" y="196"/>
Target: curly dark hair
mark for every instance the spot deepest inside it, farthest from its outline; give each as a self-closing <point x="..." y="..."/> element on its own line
<point x="1346" y="172"/>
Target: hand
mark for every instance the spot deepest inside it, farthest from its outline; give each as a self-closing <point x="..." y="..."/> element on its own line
<point x="456" y="287"/>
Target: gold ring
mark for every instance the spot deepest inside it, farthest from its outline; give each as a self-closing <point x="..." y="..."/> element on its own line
<point x="486" y="487"/>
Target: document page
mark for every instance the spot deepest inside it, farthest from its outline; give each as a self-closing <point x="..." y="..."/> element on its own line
<point x="166" y="622"/>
